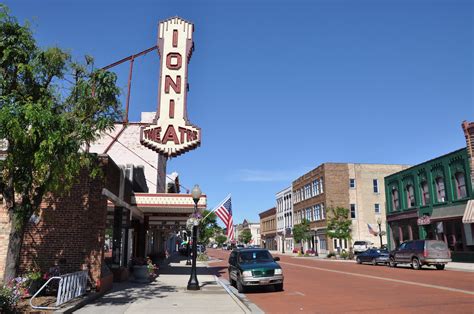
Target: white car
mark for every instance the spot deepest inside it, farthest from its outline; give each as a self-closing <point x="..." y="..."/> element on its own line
<point x="362" y="246"/>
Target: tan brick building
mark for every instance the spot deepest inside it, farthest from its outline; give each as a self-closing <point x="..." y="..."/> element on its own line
<point x="357" y="187"/>
<point x="268" y="228"/>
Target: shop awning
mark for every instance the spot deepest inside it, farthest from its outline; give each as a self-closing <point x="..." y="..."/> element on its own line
<point x="448" y="212"/>
<point x="468" y="217"/>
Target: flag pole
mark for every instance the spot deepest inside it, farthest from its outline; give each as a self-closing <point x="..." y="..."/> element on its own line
<point x="216" y="207"/>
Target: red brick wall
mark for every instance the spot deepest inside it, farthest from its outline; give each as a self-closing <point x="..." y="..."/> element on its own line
<point x="70" y="231"/>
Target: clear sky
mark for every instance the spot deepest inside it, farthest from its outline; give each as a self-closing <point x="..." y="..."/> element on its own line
<point x="279" y="87"/>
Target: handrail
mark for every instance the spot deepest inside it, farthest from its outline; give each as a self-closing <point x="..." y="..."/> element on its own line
<point x="37" y="292"/>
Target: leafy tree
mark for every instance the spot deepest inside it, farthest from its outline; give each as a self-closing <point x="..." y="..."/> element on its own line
<point x="208" y="227"/>
<point x="220" y="239"/>
<point x="301" y="232"/>
<point x="245" y="236"/>
<point x="50" y="108"/>
<point x="339" y="224"/>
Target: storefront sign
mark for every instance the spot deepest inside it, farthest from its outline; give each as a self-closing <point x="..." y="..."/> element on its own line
<point x="171" y="134"/>
<point x="424" y="220"/>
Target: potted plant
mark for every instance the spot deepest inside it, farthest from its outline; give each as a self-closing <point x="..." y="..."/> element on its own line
<point x="33" y="280"/>
<point x="140" y="269"/>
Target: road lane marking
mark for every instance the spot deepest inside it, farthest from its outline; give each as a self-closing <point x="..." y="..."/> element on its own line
<point x="382" y="278"/>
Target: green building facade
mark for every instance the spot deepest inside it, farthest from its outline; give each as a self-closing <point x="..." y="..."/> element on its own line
<point x="429" y="200"/>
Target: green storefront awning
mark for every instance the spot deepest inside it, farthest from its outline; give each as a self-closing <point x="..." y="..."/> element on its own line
<point x="448" y="212"/>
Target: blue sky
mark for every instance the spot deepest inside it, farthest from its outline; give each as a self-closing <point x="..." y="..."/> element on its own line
<point x="279" y="87"/>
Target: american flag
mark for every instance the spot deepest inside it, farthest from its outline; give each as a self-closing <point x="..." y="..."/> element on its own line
<point x="224" y="212"/>
<point x="372" y="231"/>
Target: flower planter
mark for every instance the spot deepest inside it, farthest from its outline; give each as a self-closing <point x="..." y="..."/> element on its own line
<point x="140" y="273"/>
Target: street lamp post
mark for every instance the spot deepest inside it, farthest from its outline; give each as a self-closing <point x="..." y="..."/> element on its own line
<point x="379" y="222"/>
<point x="188" y="261"/>
<point x="193" y="283"/>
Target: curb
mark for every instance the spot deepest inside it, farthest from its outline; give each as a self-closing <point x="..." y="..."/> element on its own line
<point x="239" y="298"/>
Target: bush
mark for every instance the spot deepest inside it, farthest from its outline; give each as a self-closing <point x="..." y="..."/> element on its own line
<point x="310" y="251"/>
<point x="344" y="254"/>
<point x="202" y="257"/>
<point x="295" y="250"/>
<point x="331" y="254"/>
<point x="300" y="254"/>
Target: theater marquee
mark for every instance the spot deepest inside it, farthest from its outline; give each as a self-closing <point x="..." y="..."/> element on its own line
<point x="171" y="134"/>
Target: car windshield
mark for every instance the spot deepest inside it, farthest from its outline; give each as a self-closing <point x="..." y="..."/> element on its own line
<point x="255" y="257"/>
<point x="359" y="243"/>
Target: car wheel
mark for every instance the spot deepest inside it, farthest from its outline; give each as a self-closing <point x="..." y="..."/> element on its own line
<point x="416" y="264"/>
<point x="358" y="261"/>
<point x="240" y="286"/>
<point x="392" y="262"/>
<point x="279" y="287"/>
<point x="374" y="262"/>
<point x="439" y="266"/>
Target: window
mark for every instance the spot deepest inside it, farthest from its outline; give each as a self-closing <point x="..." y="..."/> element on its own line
<point x="425" y="193"/>
<point x="321" y="185"/>
<point x="322" y="244"/>
<point x="440" y="193"/>
<point x="395" y="200"/>
<point x="323" y="213"/>
<point x="316" y="187"/>
<point x="460" y="185"/>
<point x="317" y="212"/>
<point x="410" y="196"/>
<point x="353" y="211"/>
<point x="377" y="208"/>
<point x="352" y="183"/>
<point x="376" y="185"/>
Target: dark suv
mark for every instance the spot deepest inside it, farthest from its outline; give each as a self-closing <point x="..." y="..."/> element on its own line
<point x="421" y="252"/>
<point x="254" y="267"/>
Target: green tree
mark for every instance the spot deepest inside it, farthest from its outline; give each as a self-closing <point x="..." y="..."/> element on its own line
<point x="208" y="227"/>
<point x="245" y="236"/>
<point x="339" y="224"/>
<point x="50" y="108"/>
<point x="301" y="232"/>
<point x="220" y="239"/>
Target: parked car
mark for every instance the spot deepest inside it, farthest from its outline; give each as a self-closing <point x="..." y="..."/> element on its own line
<point x="362" y="246"/>
<point x="240" y="246"/>
<point x="374" y="256"/>
<point x="421" y="252"/>
<point x="254" y="267"/>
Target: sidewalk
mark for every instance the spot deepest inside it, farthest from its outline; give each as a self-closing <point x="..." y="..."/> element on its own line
<point x="168" y="294"/>
<point x="469" y="267"/>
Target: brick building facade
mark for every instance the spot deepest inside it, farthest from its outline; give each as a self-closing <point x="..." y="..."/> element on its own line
<point x="268" y="228"/>
<point x="347" y="185"/>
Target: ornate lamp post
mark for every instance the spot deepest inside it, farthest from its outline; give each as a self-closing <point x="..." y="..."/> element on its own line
<point x="379" y="222"/>
<point x="193" y="283"/>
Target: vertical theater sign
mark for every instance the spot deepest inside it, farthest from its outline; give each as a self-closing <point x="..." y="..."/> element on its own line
<point x="171" y="134"/>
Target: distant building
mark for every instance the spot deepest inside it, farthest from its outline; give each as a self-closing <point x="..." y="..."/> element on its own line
<point x="268" y="229"/>
<point x="357" y="187"/>
<point x="434" y="200"/>
<point x="284" y="213"/>
<point x="254" y="229"/>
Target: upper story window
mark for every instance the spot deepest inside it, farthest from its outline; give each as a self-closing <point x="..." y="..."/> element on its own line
<point x="377" y="208"/>
<point x="323" y="212"/>
<point x="460" y="185"/>
<point x="321" y="185"/>
<point x="395" y="200"/>
<point x="410" y="196"/>
<point x="307" y="191"/>
<point x="352" y="183"/>
<point x="316" y="187"/>
<point x="376" y="185"/>
<point x="440" y="192"/>
<point x="425" y="193"/>
<point x="317" y="212"/>
<point x="353" y="211"/>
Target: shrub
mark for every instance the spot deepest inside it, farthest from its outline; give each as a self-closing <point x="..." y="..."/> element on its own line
<point x="300" y="254"/>
<point x="295" y="250"/>
<point x="344" y="254"/>
<point x="310" y="251"/>
<point x="202" y="257"/>
<point x="331" y="254"/>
